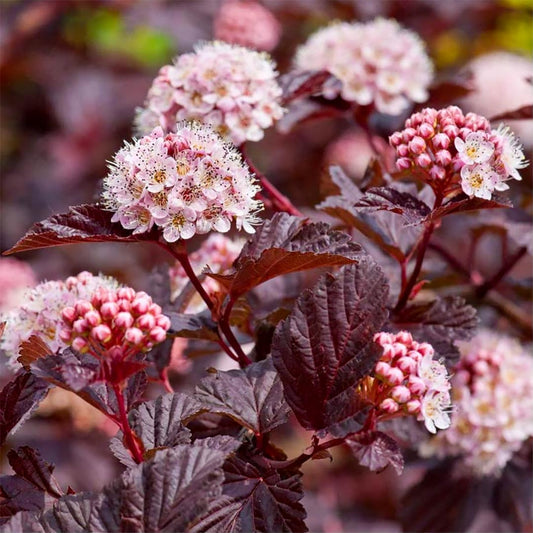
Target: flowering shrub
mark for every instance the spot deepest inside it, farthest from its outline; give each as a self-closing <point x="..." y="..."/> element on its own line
<point x="232" y="88"/>
<point x="347" y="326"/>
<point x="377" y="62"/>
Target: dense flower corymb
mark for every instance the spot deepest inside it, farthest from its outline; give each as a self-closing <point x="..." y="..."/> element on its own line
<point x="377" y="62"/>
<point x="457" y="150"/>
<point x="492" y="391"/>
<point x="232" y="88"/>
<point x="40" y="311"/>
<point x="408" y="381"/>
<point x="186" y="183"/>
<point x="218" y="252"/>
<point x="247" y="23"/>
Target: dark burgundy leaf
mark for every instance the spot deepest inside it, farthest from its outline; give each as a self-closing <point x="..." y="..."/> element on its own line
<point x="159" y="286"/>
<point x="83" y="223"/>
<point x="326" y="347"/>
<point x="376" y="451"/>
<point x="302" y="84"/>
<point x="29" y="465"/>
<point x="25" y="521"/>
<point x="160" y="354"/>
<point x="306" y="110"/>
<point x="18" y="399"/>
<point x="253" y="397"/>
<point x="462" y="204"/>
<point x="78" y="377"/>
<point x="522" y="113"/>
<point x="287" y="244"/>
<point x="193" y="326"/>
<point x="16" y="495"/>
<point x="255" y="498"/>
<point x="32" y="349"/>
<point x="411" y="209"/>
<point x="443" y="92"/>
<point x="440" y="322"/>
<point x="447" y="499"/>
<point x="208" y="425"/>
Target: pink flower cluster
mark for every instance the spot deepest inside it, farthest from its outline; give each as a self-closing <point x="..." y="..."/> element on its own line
<point x="114" y="324"/>
<point x="453" y="148"/>
<point x="40" y="311"/>
<point x="247" y="23"/>
<point x="218" y="253"/>
<point x="410" y="381"/>
<point x="232" y="88"/>
<point x="492" y="392"/>
<point x="186" y="183"/>
<point x="15" y="277"/>
<point x="378" y="62"/>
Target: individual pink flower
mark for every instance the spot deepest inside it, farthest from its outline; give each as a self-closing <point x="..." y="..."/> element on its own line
<point x="229" y="87"/>
<point x="247" y="23"/>
<point x="218" y="253"/>
<point x="15" y="277"/>
<point x="454" y="151"/>
<point x="492" y="391"/>
<point x="409" y="381"/>
<point x="377" y="62"/>
<point x="40" y="311"/>
<point x="184" y="183"/>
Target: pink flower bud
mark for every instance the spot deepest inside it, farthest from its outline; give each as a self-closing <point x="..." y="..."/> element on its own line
<point x="80" y="345"/>
<point x="426" y="130"/>
<point x="116" y="353"/>
<point x="417" y="145"/>
<point x="126" y="293"/>
<point x="424" y="348"/>
<point x="401" y="394"/>
<point x="80" y="326"/>
<point x="124" y="320"/>
<point x="416" y="385"/>
<point x="413" y="407"/>
<point x="443" y="157"/>
<point x="388" y="353"/>
<point x="382" y="369"/>
<point x="441" y="140"/>
<point x="395" y="376"/>
<point x="399" y="349"/>
<point x="389" y="406"/>
<point x="155" y="309"/>
<point x="404" y="337"/>
<point x="65" y="335"/>
<point x="402" y="150"/>
<point x="437" y="172"/>
<point x="69" y="315"/>
<point x="141" y="305"/>
<point x="481" y="367"/>
<point x="146" y="322"/>
<point x="134" y="336"/>
<point x="109" y="310"/>
<point x="451" y="131"/>
<point x="83" y="306"/>
<point x="423" y="160"/>
<point x="415" y="355"/>
<point x="408" y="134"/>
<point x="407" y="365"/>
<point x="93" y="318"/>
<point x="101" y="333"/>
<point x="383" y="338"/>
<point x="124" y="305"/>
<point x="403" y="163"/>
<point x="395" y="139"/>
<point x="158" y="334"/>
<point x="163" y="322"/>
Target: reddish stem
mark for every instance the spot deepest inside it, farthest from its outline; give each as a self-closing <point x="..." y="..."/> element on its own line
<point x="129" y="438"/>
<point x="278" y="201"/>
<point x="164" y="380"/>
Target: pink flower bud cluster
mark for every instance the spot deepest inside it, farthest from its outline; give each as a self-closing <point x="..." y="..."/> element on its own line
<point x="492" y="391"/>
<point x="230" y="87"/>
<point x="218" y="253"/>
<point x="456" y="150"/>
<point x="247" y="23"/>
<point x="186" y="183"/>
<point x="40" y="311"/>
<point x="114" y="324"/>
<point x="378" y="62"/>
<point x="411" y="382"/>
<point x="15" y="277"/>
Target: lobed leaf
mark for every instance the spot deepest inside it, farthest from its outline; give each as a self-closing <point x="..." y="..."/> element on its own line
<point x="18" y="399"/>
<point x="462" y="204"/>
<point x="325" y="347"/>
<point x="193" y="326"/>
<point x="376" y="450"/>
<point x="18" y="495"/>
<point x="82" y="223"/>
<point x="302" y="84"/>
<point x="522" y="113"/>
<point x="253" y="397"/>
<point x="286" y="244"/>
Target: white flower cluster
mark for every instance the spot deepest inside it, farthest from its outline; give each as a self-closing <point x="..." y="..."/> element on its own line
<point x="230" y="87"/>
<point x="186" y="183"/>
<point x="377" y="62"/>
<point x="492" y="393"/>
<point x="40" y="311"/>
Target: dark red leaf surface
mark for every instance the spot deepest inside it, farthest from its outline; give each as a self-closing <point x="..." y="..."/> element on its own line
<point x="376" y="450"/>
